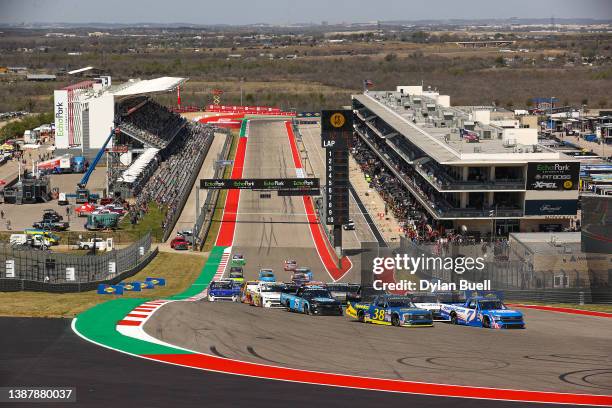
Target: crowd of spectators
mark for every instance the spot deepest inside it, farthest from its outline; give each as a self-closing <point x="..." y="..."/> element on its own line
<point x="151" y="122"/>
<point x="170" y="183"/>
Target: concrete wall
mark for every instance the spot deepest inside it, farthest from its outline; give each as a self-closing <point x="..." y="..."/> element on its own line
<point x="101" y="115"/>
<point x="410" y="90"/>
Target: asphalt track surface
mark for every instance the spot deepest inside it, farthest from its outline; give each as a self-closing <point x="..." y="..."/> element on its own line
<point x="45" y="352"/>
<point x="271" y="230"/>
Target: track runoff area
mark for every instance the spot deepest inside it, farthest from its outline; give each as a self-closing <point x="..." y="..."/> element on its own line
<point x="561" y="358"/>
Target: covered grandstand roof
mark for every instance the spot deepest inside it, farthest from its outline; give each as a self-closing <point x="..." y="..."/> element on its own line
<point x="132" y="173"/>
<point x="137" y="86"/>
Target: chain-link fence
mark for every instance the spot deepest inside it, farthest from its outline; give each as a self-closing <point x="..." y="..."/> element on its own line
<point x="27" y="269"/>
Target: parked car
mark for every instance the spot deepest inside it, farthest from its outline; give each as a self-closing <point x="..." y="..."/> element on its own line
<point x="179" y="243"/>
<point x="51" y="215"/>
<point x="51" y="225"/>
<point x="98" y="243"/>
<point x="349" y="226"/>
<point x="188" y="235"/>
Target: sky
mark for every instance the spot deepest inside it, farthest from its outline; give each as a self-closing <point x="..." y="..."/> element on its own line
<point x="287" y="12"/>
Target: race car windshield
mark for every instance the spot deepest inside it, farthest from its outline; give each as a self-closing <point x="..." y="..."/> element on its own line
<point x="492" y="305"/>
<point x="400" y="303"/>
<point x="424" y="299"/>
<point x="236" y="274"/>
<point x="221" y="285"/>
<point x="272" y="288"/>
<point x="317" y="293"/>
<point x="267" y="274"/>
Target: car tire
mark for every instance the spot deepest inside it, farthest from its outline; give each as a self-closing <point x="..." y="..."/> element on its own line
<point x="211" y="298"/>
<point x="306" y="310"/>
<point x="85" y="246"/>
<point x="395" y="321"/>
<point x="361" y="316"/>
<point x="453" y="318"/>
<point x="486" y="323"/>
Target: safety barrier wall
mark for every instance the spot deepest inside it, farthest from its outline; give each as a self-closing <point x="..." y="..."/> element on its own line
<point x="55" y="272"/>
<point x="207" y="211"/>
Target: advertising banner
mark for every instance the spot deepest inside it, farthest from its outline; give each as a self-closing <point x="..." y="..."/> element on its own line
<point x="553" y="176"/>
<point x="260" y="184"/>
<point x="110" y="289"/>
<point x="156" y="281"/>
<point x="551" y="207"/>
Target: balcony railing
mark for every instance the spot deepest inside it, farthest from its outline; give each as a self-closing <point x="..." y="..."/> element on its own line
<point x="439" y="208"/>
<point x="446" y="183"/>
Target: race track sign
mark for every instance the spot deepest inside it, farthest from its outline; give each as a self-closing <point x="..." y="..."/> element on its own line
<point x="337" y="120"/>
<point x="261" y="184"/>
<point x="336" y="133"/>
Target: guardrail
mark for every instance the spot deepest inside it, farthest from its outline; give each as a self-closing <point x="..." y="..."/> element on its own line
<point x="59" y="272"/>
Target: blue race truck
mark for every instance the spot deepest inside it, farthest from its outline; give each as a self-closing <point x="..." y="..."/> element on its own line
<point x="224" y="290"/>
<point x="390" y="310"/>
<point x="311" y="300"/>
<point x="483" y="312"/>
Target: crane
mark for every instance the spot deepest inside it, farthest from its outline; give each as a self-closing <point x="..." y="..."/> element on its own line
<point x="82" y="193"/>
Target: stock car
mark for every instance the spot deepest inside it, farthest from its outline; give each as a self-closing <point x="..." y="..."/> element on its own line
<point x="236" y="274"/>
<point x="342" y="291"/>
<point x="390" y="310"/>
<point x="237" y="260"/>
<point x="290" y="265"/>
<point x="267" y="294"/>
<point x="483" y="312"/>
<point x="306" y="271"/>
<point x="246" y="291"/>
<point x="429" y="302"/>
<point x="266" y="275"/>
<point x="314" y="300"/>
<point x="224" y="289"/>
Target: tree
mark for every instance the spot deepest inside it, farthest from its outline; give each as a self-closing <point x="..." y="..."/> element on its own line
<point x="585" y="102"/>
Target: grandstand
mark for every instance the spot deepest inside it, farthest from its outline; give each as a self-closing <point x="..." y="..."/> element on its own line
<point x="154" y="154"/>
<point x="172" y="151"/>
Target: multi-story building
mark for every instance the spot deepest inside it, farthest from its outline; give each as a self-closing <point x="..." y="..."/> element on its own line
<point x="470" y="167"/>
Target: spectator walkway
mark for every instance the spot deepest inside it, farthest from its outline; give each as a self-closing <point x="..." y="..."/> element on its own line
<point x="387" y="224"/>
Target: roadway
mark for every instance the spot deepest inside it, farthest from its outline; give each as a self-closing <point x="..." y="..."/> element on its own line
<point x="45" y="352"/>
<point x="271" y="230"/>
<point x="555" y="353"/>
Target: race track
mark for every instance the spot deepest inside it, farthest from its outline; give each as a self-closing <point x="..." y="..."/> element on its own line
<point x="271" y="230"/>
<point x="46" y="352"/>
<point x="556" y="353"/>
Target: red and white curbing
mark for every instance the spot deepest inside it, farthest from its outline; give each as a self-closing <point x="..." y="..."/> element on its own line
<point x="223" y="263"/>
<point x="218" y="275"/>
<point x="139" y="315"/>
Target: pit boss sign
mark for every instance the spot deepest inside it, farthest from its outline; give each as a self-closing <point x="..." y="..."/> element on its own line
<point x="553" y="176"/>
